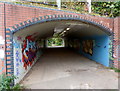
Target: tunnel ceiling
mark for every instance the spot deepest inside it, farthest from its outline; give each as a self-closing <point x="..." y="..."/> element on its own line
<point x="76" y="29"/>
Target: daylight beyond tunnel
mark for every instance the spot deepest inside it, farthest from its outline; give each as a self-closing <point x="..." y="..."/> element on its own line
<point x="87" y="39"/>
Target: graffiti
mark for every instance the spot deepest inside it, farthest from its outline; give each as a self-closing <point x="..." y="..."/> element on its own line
<point x="18" y="62"/>
<point x="17" y="45"/>
<point x="18" y="57"/>
<point x="2" y="66"/>
<point x="28" y="51"/>
<point x="40" y="43"/>
<point x="88" y="46"/>
<point x="19" y="38"/>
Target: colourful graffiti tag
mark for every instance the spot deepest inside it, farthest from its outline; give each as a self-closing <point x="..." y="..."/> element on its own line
<point x="28" y="51"/>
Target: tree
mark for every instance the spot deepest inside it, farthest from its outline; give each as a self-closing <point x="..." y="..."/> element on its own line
<point x="110" y="9"/>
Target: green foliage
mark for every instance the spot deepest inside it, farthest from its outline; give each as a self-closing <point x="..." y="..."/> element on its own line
<point x="6" y="83"/>
<point x="79" y="6"/>
<point x="115" y="69"/>
<point x="18" y="2"/>
<point x="55" y="41"/>
<point x="110" y="9"/>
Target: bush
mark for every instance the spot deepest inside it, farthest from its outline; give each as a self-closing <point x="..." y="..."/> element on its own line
<point x="115" y="69"/>
<point x="6" y="83"/>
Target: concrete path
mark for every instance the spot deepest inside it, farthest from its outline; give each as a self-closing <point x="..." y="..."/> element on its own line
<point x="65" y="69"/>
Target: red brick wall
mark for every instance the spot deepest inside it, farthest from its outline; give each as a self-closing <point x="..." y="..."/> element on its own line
<point x="16" y="14"/>
<point x="119" y="42"/>
<point x="116" y="41"/>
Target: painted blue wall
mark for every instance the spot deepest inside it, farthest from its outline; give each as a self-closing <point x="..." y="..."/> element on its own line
<point x="100" y="50"/>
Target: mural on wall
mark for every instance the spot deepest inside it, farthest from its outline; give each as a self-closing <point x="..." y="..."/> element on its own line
<point x="88" y="46"/>
<point x="74" y="43"/>
<point x="28" y="51"/>
<point x="25" y="54"/>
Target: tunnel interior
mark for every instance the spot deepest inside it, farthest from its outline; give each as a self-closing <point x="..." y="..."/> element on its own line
<point x="86" y="39"/>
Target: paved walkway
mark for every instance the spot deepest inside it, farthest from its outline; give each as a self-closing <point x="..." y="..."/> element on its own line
<point x="65" y="69"/>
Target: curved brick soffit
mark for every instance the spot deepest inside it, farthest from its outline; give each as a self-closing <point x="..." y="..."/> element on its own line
<point x="10" y="31"/>
<point x="54" y="17"/>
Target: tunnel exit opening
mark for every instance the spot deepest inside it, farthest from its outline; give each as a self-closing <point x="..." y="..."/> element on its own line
<point x="85" y="38"/>
<point x="55" y="42"/>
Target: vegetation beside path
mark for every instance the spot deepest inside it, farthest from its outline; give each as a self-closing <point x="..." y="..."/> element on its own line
<point x="6" y="83"/>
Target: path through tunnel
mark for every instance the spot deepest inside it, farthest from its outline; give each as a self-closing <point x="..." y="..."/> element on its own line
<point x="84" y="39"/>
<point x="62" y="68"/>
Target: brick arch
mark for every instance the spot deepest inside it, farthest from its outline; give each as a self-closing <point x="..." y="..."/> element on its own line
<point x="54" y="17"/>
<point x="17" y="27"/>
